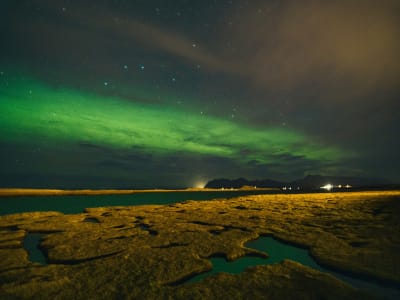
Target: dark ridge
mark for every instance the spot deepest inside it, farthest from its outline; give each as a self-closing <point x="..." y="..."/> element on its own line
<point x="202" y="223"/>
<point x="10" y="228"/>
<point x="358" y="244"/>
<point x="91" y="220"/>
<point x="121" y="237"/>
<point x="186" y="278"/>
<point x="385" y="282"/>
<point x="219" y="231"/>
<point x="240" y="207"/>
<point x="10" y="246"/>
<point x="78" y="261"/>
<point x="377" y="211"/>
<point x="147" y="228"/>
<point x="171" y="245"/>
<point x="119" y="226"/>
<point x="226" y="227"/>
<point x="46" y="231"/>
<point x="241" y="182"/>
<point x="216" y="232"/>
<point x="310" y="182"/>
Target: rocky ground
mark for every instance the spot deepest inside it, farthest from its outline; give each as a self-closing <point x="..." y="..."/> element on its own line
<point x="147" y="252"/>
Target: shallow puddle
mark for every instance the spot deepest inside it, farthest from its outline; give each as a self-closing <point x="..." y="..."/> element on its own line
<point x="279" y="251"/>
<point x="31" y="245"/>
<point x="276" y="250"/>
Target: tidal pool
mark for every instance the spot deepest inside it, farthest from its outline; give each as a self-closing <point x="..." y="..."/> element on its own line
<point x="31" y="244"/>
<point x="279" y="251"/>
<point x="76" y="204"/>
<point x="276" y="250"/>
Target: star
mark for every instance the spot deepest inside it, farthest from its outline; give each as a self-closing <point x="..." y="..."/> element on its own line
<point x="213" y="64"/>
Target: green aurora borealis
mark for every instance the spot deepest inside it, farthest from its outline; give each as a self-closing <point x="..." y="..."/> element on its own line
<point x="34" y="111"/>
<point x="146" y="94"/>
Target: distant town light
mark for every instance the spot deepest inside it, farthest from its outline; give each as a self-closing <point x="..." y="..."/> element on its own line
<point x="327" y="187"/>
<point x="199" y="184"/>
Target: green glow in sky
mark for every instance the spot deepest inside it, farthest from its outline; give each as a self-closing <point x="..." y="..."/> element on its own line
<point x="31" y="110"/>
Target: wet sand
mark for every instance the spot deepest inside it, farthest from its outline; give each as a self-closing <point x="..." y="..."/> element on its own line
<point x="147" y="252"/>
<point x="7" y="192"/>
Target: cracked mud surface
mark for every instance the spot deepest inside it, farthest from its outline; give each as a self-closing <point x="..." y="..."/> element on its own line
<point x="147" y="252"/>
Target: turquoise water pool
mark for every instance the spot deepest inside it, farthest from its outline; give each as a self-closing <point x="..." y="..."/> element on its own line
<point x="278" y="251"/>
<point x="76" y="204"/>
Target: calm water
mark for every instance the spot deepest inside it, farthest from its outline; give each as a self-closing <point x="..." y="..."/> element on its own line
<point x="76" y="204"/>
<point x="31" y="244"/>
<point x="276" y="250"/>
<point x="279" y="251"/>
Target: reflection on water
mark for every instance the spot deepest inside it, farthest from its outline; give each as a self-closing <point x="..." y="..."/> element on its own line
<point x="278" y="251"/>
<point x="76" y="204"/>
<point x="31" y="244"/>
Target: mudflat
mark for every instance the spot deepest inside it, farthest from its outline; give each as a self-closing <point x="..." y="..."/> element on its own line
<point x="148" y="252"/>
<point x="10" y="192"/>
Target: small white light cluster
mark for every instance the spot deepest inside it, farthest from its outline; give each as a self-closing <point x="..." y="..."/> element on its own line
<point x="327" y="187"/>
<point x="285" y="188"/>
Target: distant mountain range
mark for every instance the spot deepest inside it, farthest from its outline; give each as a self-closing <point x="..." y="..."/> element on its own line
<point x="308" y="182"/>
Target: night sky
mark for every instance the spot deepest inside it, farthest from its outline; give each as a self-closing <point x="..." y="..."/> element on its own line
<point x="150" y="94"/>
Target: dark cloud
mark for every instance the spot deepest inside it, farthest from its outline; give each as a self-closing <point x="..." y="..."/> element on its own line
<point x="113" y="164"/>
<point x="328" y="70"/>
<point x="91" y="146"/>
<point x="337" y="44"/>
<point x="81" y="30"/>
<point x="289" y="158"/>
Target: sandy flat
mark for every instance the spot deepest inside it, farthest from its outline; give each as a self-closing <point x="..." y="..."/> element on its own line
<point x="147" y="252"/>
<point x="7" y="192"/>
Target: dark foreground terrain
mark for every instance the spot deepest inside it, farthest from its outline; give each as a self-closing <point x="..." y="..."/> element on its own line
<point x="147" y="252"/>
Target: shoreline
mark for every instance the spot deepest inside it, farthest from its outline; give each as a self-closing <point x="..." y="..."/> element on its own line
<point x="353" y="233"/>
<point x="15" y="192"/>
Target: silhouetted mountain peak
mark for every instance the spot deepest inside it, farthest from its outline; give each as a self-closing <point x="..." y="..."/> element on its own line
<point x="308" y="182"/>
